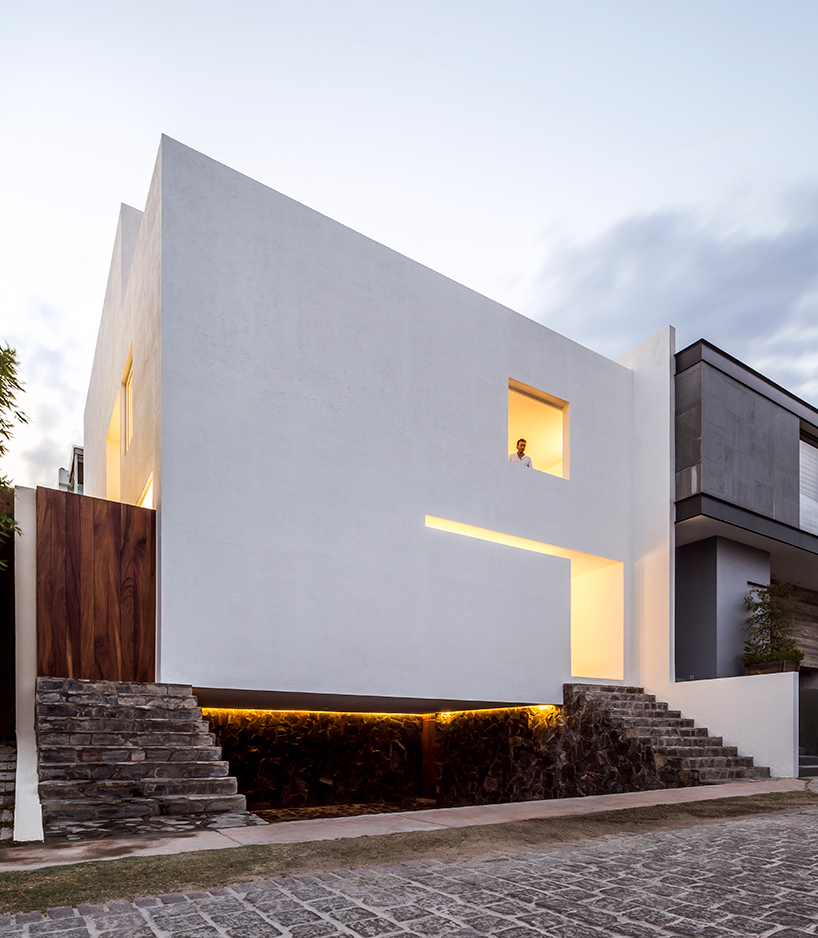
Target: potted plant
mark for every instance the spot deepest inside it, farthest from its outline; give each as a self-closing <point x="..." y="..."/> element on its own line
<point x="770" y="643"/>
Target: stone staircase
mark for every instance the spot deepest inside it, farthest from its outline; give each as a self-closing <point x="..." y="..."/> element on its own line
<point x="807" y="765"/>
<point x="671" y="736"/>
<point x="111" y="751"/>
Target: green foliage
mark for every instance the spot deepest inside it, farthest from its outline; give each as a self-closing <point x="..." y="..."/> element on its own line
<point x="770" y="625"/>
<point x="10" y="387"/>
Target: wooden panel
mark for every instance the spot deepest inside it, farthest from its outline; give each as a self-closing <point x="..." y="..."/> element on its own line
<point x="145" y="593"/>
<point x="107" y="541"/>
<point x="58" y="615"/>
<point x="96" y="588"/>
<point x="47" y="631"/>
<point x="87" y="588"/>
<point x="127" y="589"/>
<point x="73" y="574"/>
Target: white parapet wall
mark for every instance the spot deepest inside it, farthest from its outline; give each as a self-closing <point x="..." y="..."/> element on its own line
<point x="757" y="713"/>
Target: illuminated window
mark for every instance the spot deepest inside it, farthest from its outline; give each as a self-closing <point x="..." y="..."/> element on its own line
<point x="542" y="421"/>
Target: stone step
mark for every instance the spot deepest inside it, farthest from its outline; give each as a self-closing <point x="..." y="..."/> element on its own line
<point x="717" y="762"/>
<point x="671" y="724"/>
<point x="604" y="689"/>
<point x="715" y="775"/>
<point x="626" y="701"/>
<point x="70" y="755"/>
<point x="133" y="770"/>
<point x="664" y="735"/>
<point x="128" y="741"/>
<point x="807" y="760"/>
<point x="808" y="771"/>
<point x="648" y="710"/>
<point x="111" y="789"/>
<point x="68" y="686"/>
<point x="170" y="806"/>
<point x="131" y="727"/>
<point x="141" y="714"/>
<point x="96" y="706"/>
<point x="686" y="752"/>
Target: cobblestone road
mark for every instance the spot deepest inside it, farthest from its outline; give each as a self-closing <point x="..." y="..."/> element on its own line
<point x="756" y="876"/>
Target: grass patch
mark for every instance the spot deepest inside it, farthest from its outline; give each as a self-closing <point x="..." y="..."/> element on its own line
<point x="101" y="881"/>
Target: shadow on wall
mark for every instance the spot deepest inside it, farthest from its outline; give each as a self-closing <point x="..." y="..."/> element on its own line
<point x="299" y="759"/>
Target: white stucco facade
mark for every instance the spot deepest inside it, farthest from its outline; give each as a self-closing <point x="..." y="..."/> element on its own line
<point x="305" y="400"/>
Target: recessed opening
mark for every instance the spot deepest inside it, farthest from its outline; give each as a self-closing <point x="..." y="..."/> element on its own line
<point x="542" y="421"/>
<point x="597" y="600"/>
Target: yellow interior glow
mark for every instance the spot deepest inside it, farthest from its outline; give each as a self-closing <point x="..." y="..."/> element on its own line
<point x="444" y="717"/>
<point x="597" y="600"/>
<point x="129" y="407"/>
<point x="146" y="498"/>
<point x="542" y="420"/>
<point x="113" y="456"/>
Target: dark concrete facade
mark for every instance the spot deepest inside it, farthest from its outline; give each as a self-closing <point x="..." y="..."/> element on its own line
<point x="735" y="444"/>
<point x="712" y="578"/>
<point x="737" y="467"/>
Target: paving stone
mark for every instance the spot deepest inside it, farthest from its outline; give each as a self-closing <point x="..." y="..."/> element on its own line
<point x="245" y="925"/>
<point x="753" y="877"/>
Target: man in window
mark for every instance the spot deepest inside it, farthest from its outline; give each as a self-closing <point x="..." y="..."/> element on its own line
<point x="520" y="457"/>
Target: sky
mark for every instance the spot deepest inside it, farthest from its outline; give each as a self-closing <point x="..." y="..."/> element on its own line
<point x="604" y="168"/>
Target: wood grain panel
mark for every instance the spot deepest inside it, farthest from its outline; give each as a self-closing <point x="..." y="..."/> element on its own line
<point x="47" y="631"/>
<point x="107" y="557"/>
<point x="96" y="588"/>
<point x="73" y="578"/>
<point x="127" y="589"/>
<point x="87" y="588"/>
<point x="145" y="593"/>
<point x="62" y="646"/>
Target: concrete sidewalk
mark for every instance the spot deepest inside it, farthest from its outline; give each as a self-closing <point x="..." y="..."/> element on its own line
<point x="37" y="856"/>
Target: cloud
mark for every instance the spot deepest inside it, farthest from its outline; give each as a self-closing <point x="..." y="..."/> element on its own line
<point x="53" y="371"/>
<point x="753" y="293"/>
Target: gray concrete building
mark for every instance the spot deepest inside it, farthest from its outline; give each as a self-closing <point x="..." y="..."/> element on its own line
<point x="746" y="510"/>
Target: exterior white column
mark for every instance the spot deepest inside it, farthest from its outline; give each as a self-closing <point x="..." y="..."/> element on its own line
<point x="28" y="818"/>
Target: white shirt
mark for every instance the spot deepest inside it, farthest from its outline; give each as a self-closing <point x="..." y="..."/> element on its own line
<point x="521" y="461"/>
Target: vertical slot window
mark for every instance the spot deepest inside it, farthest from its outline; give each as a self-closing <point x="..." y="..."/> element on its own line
<point x="808" y="483"/>
<point x="128" y="394"/>
<point x="542" y="421"/>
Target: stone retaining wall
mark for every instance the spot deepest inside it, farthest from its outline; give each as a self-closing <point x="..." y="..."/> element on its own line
<point x="522" y="755"/>
<point x="295" y="759"/>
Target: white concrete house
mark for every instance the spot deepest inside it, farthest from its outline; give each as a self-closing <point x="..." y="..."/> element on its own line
<point x="323" y="427"/>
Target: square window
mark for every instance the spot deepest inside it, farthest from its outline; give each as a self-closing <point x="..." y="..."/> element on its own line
<point x="542" y="421"/>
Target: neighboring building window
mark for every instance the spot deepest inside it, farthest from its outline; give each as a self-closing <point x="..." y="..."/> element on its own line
<point x="809" y="484"/>
<point x="542" y="421"/>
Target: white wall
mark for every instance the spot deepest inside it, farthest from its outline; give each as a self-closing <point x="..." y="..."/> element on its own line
<point x="320" y="395"/>
<point x="757" y="713"/>
<point x="131" y="319"/>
